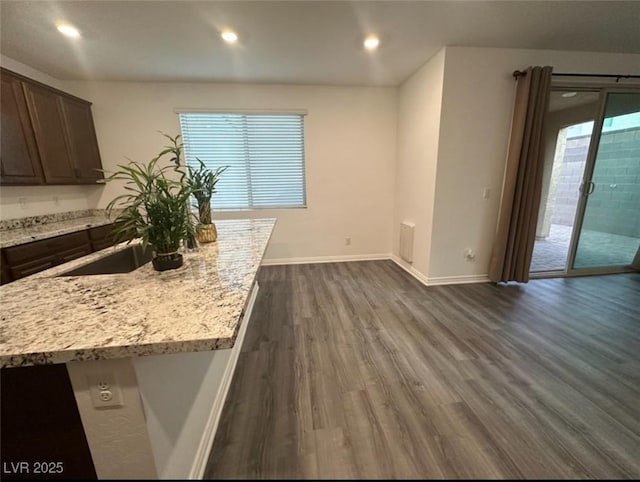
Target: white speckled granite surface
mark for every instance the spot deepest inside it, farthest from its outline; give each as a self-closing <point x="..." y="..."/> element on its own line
<point x="49" y="319"/>
<point x="42" y="227"/>
<point x="27" y="222"/>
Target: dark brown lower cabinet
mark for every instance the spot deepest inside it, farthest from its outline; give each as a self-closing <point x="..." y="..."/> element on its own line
<point x="30" y="258"/>
<point x="101" y="237"/>
<point x="31" y="267"/>
<point x="42" y="435"/>
<point x="5" y="276"/>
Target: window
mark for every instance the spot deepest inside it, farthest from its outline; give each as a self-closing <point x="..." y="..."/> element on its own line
<point x="264" y="152"/>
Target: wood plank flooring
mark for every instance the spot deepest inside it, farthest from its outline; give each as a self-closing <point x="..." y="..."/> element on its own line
<point x="356" y="370"/>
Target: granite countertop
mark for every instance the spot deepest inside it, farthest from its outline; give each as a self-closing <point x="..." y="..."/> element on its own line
<point x="197" y="307"/>
<point x="20" y="231"/>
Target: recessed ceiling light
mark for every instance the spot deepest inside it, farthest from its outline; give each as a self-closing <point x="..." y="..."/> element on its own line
<point x="569" y="94"/>
<point x="229" y="36"/>
<point x="68" y="30"/>
<point x="371" y="42"/>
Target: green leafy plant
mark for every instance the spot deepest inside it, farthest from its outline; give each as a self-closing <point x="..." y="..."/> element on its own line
<point x="175" y="149"/>
<point x="154" y="207"/>
<point x="203" y="185"/>
<point x="201" y="179"/>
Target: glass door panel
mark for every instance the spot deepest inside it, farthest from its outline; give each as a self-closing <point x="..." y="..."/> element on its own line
<point x="610" y="230"/>
<point x="569" y="125"/>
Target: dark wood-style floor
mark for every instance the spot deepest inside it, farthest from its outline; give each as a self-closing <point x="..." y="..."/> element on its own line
<point x="355" y="370"/>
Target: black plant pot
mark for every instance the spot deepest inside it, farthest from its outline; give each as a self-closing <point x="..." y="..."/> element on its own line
<point x="163" y="263"/>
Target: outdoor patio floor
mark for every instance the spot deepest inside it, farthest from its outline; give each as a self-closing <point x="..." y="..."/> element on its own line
<point x="596" y="249"/>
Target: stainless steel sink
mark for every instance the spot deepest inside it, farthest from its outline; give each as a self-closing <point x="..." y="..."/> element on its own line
<point x="123" y="261"/>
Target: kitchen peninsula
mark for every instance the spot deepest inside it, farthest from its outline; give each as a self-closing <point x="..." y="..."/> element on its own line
<point x="167" y="342"/>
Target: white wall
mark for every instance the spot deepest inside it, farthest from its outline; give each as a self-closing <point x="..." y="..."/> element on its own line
<point x="117" y="436"/>
<point x="477" y="105"/>
<point x="20" y="68"/>
<point x="178" y="392"/>
<point x="350" y="153"/>
<point x="419" y="109"/>
<point x="24" y="201"/>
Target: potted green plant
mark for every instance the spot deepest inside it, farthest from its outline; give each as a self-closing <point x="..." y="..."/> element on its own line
<point x="202" y="182"/>
<point x="203" y="185"/>
<point x="154" y="209"/>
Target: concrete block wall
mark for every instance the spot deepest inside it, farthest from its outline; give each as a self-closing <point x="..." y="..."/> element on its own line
<point x="568" y="187"/>
<point x="614" y="206"/>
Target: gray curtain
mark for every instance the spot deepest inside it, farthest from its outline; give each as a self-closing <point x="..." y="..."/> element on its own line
<point x="518" y="217"/>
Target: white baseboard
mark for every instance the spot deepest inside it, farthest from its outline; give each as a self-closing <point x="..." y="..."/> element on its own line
<point x="206" y="442"/>
<point x="410" y="269"/>
<point x="459" y="280"/>
<point x="325" y="259"/>
<point x="442" y="280"/>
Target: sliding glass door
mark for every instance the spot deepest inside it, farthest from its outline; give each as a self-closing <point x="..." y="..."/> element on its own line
<point x="606" y="237"/>
<point x="568" y="126"/>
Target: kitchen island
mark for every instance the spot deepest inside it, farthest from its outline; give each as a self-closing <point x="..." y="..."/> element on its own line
<point x="196" y="307"/>
<point x="165" y="344"/>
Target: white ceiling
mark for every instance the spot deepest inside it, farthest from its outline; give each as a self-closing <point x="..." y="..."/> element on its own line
<point x="558" y="102"/>
<point x="305" y="42"/>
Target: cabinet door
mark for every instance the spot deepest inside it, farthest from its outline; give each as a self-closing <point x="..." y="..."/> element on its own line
<point x="83" y="144"/>
<point x="101" y="237"/>
<point x="19" y="159"/>
<point x="41" y="422"/>
<point x="30" y="258"/>
<point x="5" y="276"/>
<point x="22" y="253"/>
<point x="45" y="109"/>
<point x="73" y="253"/>
<point x="32" y="267"/>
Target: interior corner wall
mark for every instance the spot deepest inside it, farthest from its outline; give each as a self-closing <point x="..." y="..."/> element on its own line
<point x="24" y="201"/>
<point x="350" y="142"/>
<point x="419" y="110"/>
<point x="23" y="69"/>
<point x="477" y="104"/>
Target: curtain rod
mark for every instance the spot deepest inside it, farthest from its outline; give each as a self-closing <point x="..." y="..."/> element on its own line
<point x="520" y="73"/>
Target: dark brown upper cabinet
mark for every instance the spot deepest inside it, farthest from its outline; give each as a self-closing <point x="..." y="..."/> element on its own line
<point x="19" y="158"/>
<point x="83" y="144"/>
<point x="63" y="138"/>
<point x="45" y="109"/>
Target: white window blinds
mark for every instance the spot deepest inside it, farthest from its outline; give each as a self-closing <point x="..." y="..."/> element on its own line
<point x="264" y="152"/>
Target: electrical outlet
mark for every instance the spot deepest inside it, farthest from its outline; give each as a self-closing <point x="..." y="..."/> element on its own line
<point x="486" y="193"/>
<point x="347" y="241"/>
<point x="56" y="200"/>
<point x="106" y="395"/>
<point x="104" y="385"/>
<point x="23" y="202"/>
<point x="470" y="254"/>
<point x="104" y="390"/>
